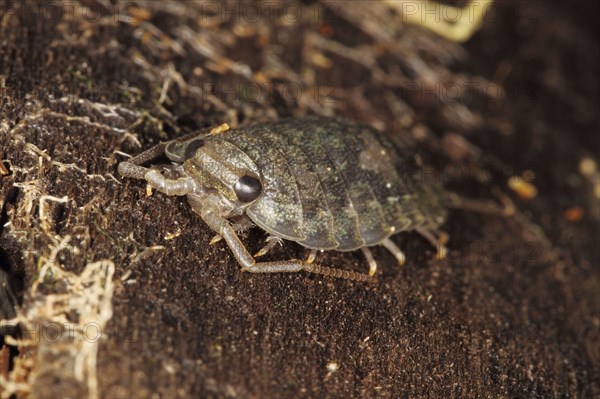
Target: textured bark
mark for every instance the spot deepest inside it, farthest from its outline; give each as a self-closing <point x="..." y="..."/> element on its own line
<point x="512" y="312"/>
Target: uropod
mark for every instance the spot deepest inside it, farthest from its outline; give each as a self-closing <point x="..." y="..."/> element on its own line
<point x="325" y="183"/>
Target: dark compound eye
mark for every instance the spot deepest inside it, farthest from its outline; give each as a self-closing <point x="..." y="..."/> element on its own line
<point x="192" y="147"/>
<point x="248" y="188"/>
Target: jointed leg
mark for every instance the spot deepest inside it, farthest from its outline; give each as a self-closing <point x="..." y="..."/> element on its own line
<point x="133" y="169"/>
<point x="370" y="261"/>
<point x="224" y="229"/>
<point x="241" y="225"/>
<point x="393" y="248"/>
<point x="312" y="256"/>
<point x="271" y="242"/>
<point x="437" y="242"/>
<point x="180" y="186"/>
<point x="482" y="206"/>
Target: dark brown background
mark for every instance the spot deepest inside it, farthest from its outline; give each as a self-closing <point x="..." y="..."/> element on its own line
<point x="514" y="310"/>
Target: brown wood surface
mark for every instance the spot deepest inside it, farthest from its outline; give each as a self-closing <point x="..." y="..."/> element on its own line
<point x="512" y="312"/>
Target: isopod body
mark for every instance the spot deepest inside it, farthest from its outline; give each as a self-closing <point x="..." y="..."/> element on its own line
<point x="325" y="183"/>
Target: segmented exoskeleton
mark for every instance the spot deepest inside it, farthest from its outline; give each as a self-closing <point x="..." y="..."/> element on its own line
<point x="325" y="183"/>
